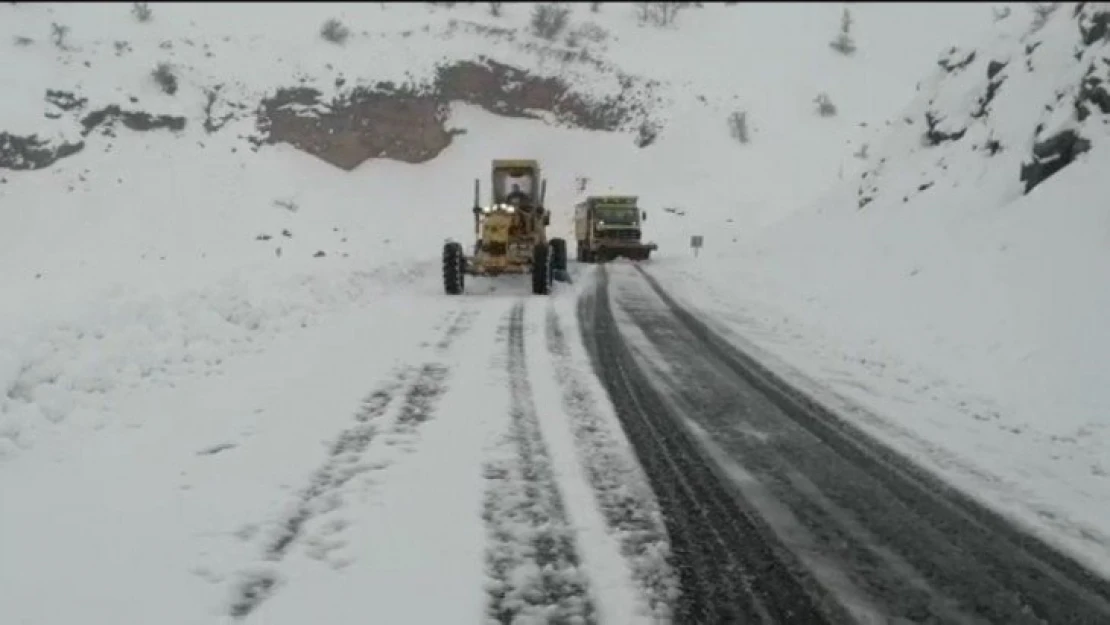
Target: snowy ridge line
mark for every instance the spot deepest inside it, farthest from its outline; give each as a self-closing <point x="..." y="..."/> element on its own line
<point x="345" y="460"/>
<point x="532" y="559"/>
<point x="620" y="487"/>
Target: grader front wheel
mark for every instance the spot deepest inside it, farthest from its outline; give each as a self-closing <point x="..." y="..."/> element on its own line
<point x="454" y="268"/>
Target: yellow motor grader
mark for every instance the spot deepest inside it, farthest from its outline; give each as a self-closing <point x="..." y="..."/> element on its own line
<point x="510" y="232"/>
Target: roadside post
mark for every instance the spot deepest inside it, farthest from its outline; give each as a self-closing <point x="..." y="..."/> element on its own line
<point x="695" y="243"/>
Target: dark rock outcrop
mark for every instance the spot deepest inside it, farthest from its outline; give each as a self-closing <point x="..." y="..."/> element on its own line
<point x="134" y="120"/>
<point x="32" y="152"/>
<point x="25" y="153"/>
<point x="1051" y="155"/>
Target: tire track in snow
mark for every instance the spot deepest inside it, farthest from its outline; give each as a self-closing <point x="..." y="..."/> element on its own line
<point x="729" y="569"/>
<point x="531" y="558"/>
<point x="622" y="491"/>
<point x="345" y="462"/>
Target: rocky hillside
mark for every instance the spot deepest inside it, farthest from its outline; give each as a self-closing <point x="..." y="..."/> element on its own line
<point x="1017" y="111"/>
<point x="343" y="116"/>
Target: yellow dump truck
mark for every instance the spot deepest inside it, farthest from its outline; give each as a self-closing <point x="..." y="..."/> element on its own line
<point x="608" y="227"/>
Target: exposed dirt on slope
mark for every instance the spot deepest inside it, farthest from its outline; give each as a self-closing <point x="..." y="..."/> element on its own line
<point x="401" y="122"/>
<point x="408" y="122"/>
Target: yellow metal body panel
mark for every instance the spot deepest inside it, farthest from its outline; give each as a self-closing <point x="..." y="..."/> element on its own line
<point x="525" y="163"/>
<point x="501" y="252"/>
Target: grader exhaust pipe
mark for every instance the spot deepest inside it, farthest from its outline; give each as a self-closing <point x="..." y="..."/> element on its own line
<point x="477" y="211"/>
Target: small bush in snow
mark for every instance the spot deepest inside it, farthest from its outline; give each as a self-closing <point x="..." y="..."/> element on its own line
<point x="738" y="126"/>
<point x="646" y="134"/>
<point x="334" y="31"/>
<point x="1041" y="12"/>
<point x="549" y="20"/>
<point x="861" y="153"/>
<point x="1001" y="13"/>
<point x="591" y="32"/>
<point x="24" y="41"/>
<point x="825" y="107"/>
<point x="659" y="14"/>
<point x="141" y="11"/>
<point x="843" y="42"/>
<point x="58" y="34"/>
<point x="287" y="204"/>
<point x="495" y="9"/>
<point x="165" y="77"/>
<point x="595" y="7"/>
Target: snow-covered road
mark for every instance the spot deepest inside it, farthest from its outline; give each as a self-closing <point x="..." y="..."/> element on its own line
<point x="783" y="511"/>
<point x="601" y="455"/>
<point x="422" y="459"/>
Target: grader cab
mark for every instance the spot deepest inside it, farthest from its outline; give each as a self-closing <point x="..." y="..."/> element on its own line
<point x="510" y="232"/>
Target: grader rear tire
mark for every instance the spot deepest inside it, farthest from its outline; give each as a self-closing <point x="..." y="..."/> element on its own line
<point x="541" y="269"/>
<point x="454" y="268"/>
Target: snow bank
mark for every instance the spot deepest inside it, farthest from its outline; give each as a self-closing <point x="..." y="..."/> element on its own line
<point x="136" y="341"/>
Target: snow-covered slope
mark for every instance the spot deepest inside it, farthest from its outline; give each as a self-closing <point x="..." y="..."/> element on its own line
<point x="149" y="223"/>
<point x="168" y="301"/>
<point x="958" y="285"/>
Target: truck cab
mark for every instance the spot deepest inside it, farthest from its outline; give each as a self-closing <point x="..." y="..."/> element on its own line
<point x="608" y="227"/>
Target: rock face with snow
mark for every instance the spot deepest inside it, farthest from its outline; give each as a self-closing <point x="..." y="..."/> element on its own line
<point x="1021" y="109"/>
<point x="346" y="118"/>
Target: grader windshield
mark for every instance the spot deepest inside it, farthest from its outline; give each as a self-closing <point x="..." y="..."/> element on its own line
<point x="514" y="183"/>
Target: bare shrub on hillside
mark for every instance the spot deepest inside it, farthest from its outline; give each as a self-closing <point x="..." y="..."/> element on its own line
<point x="660" y="14"/>
<point x="738" y="126"/>
<point x="1041" y="13"/>
<point x="843" y="42"/>
<point x="495" y="9"/>
<point x="549" y="20"/>
<point x="646" y="134"/>
<point x="23" y="41"/>
<point x="142" y="11"/>
<point x="861" y="153"/>
<point x="334" y="31"/>
<point x="58" y="33"/>
<point x="591" y="32"/>
<point x="825" y="107"/>
<point x="595" y="7"/>
<point x="164" y="75"/>
<point x="1001" y="13"/>
<point x="288" y="204"/>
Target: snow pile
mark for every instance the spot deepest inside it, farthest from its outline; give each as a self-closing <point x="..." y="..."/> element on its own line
<point x="959" y="286"/>
<point x="138" y="340"/>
